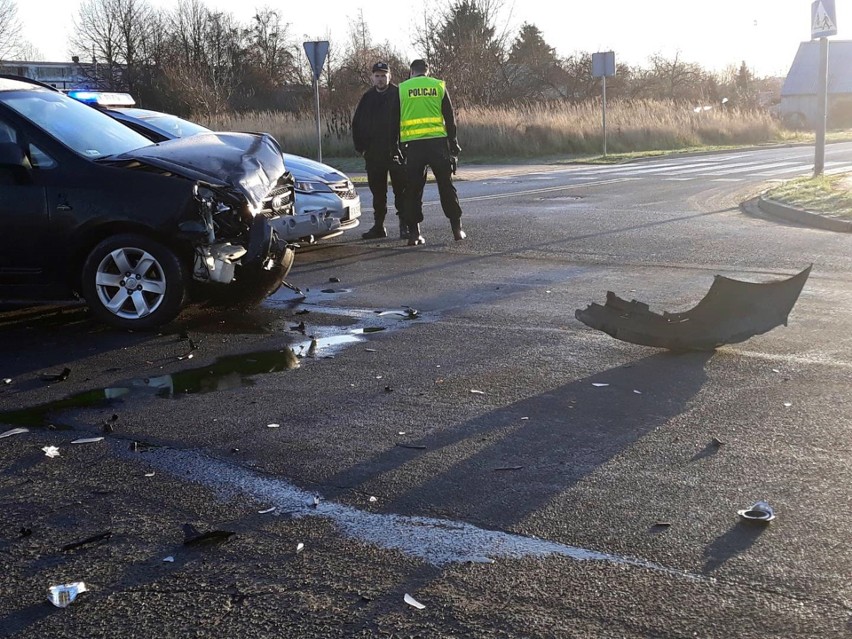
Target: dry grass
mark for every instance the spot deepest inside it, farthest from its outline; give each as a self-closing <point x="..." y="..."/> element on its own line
<point x="827" y="194"/>
<point x="545" y="130"/>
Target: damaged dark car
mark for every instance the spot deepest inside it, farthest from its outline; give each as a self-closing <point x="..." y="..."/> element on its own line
<point x="92" y="209"/>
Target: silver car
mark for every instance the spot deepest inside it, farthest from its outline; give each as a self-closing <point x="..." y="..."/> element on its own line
<point x="327" y="203"/>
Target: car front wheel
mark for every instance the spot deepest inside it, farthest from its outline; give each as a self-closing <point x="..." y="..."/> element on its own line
<point x="132" y="281"/>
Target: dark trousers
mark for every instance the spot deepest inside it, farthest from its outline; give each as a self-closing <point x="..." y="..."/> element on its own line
<point x="433" y="153"/>
<point x="377" y="178"/>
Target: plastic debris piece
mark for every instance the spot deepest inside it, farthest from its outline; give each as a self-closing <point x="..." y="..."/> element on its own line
<point x="370" y="350"/>
<point x="417" y="446"/>
<point x="59" y="377"/>
<point x="788" y="404"/>
<point x="61" y="596"/>
<point x="523" y="419"/>
<point x="7" y="380"/>
<point x="51" y="451"/>
<point x="312" y="349"/>
<point x="314" y="501"/>
<point x="473" y="391"/>
<point x="388" y="389"/>
<point x="151" y="474"/>
<point x="87" y="440"/>
<point x="509" y="468"/>
<point x="169" y="559"/>
<point x="717" y="442"/>
<point x="273" y="425"/>
<point x="638" y="392"/>
<point x="411" y="601"/>
<point x="268" y="510"/>
<point x="104" y="536"/>
<point x="182" y="357"/>
<point x="299" y="547"/>
<point x="334" y="280"/>
<point x="758" y="511"/>
<point x="209" y="538"/>
<point x="599" y="384"/>
<point x="775" y="370"/>
<point x="662" y="524"/>
<point x="14" y="431"/>
<point x="373" y="499"/>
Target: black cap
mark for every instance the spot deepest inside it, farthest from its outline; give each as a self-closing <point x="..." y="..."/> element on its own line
<point x="419" y="65"/>
<point x="381" y="66"/>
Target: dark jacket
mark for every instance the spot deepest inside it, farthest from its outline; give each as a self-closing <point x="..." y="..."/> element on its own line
<point x="370" y="124"/>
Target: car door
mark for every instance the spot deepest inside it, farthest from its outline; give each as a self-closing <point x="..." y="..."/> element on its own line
<point x="24" y="222"/>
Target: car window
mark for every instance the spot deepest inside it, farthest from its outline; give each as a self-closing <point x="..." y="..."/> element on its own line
<point x="83" y="129"/>
<point x="7" y="134"/>
<point x="40" y="159"/>
<point x="175" y="126"/>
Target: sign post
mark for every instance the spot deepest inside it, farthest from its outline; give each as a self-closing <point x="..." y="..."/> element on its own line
<point x="316" y="51"/>
<point x="823" y="24"/>
<point x="603" y="65"/>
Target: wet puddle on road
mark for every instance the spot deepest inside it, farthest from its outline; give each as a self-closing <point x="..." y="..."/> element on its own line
<point x="225" y="373"/>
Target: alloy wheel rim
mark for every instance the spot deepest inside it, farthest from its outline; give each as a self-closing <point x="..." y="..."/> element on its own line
<point x="130" y="283"/>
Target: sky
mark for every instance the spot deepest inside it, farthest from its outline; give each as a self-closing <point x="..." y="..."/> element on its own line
<point x="715" y="34"/>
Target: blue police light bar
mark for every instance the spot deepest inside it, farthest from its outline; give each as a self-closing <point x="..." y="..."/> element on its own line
<point x="102" y="98"/>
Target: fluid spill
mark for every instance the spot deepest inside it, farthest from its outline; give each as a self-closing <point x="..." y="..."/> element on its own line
<point x="436" y="541"/>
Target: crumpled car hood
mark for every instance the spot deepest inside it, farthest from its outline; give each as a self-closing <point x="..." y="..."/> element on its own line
<point x="251" y="163"/>
<point x="304" y="168"/>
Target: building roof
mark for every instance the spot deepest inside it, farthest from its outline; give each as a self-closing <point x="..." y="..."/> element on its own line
<point x="802" y="78"/>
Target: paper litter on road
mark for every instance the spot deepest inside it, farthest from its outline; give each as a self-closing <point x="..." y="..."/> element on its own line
<point x="411" y="601"/>
<point x="51" y="451"/>
<point x="61" y="596"/>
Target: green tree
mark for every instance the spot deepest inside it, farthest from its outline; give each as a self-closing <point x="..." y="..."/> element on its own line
<point x="532" y="67"/>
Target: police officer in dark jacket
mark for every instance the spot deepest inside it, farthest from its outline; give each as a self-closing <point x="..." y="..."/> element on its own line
<point x="424" y="130"/>
<point x="371" y="135"/>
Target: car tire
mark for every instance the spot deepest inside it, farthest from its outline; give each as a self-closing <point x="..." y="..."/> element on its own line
<point x="159" y="275"/>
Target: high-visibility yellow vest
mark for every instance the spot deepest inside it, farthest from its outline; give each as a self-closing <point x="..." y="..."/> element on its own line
<point x="420" y="114"/>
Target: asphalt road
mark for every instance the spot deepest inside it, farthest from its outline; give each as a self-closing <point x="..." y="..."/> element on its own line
<point x="453" y="434"/>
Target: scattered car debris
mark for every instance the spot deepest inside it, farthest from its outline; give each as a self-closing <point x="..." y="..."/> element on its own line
<point x="104" y="536"/>
<point x="51" y="451"/>
<point x="524" y="419"/>
<point x="599" y="384"/>
<point x="304" y="311"/>
<point x="731" y="312"/>
<point x="788" y="404"/>
<point x="25" y="532"/>
<point x="14" y="431"/>
<point x="312" y="349"/>
<point x="758" y="511"/>
<point x="416" y="446"/>
<point x="473" y="391"/>
<point x="169" y="559"/>
<point x="373" y="499"/>
<point x="509" y="468"/>
<point x="334" y="280"/>
<point x="662" y="524"/>
<point x="775" y="370"/>
<point x="183" y="357"/>
<point x="195" y="538"/>
<point x="58" y="377"/>
<point x="638" y="392"/>
<point x="717" y="442"/>
<point x="273" y="425"/>
<point x="300" y="327"/>
<point x="62" y="595"/>
<point x="388" y="389"/>
<point x="266" y="511"/>
<point x="7" y="380"/>
<point x="88" y="440"/>
<point x="314" y="501"/>
<point x="299" y="547"/>
<point x="151" y="474"/>
<point x="370" y="350"/>
<point x="411" y="601"/>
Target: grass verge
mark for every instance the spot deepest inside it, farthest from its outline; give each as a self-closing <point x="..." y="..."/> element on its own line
<point x="827" y="194"/>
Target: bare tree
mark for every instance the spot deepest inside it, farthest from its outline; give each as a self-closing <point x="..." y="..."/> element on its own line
<point x="10" y="29"/>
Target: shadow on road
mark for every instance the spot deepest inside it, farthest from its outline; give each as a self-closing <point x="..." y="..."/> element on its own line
<point x="734" y="542"/>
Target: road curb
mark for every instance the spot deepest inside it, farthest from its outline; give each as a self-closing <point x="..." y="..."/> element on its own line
<point x="800" y="216"/>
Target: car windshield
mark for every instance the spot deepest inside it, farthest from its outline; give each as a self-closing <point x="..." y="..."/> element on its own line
<point x="78" y="126"/>
<point x="171" y="124"/>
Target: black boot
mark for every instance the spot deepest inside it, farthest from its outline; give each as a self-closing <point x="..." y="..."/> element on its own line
<point x="376" y="232"/>
<point x="403" y="230"/>
<point x="458" y="232"/>
<point x="414" y="237"/>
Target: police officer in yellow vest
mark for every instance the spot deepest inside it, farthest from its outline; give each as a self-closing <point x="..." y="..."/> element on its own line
<point x="426" y="137"/>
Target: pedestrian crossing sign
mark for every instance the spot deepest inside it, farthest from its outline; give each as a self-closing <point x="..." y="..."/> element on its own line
<point x="823" y="19"/>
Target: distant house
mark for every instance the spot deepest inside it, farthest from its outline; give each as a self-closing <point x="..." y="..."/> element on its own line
<point x="799" y="93"/>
